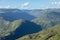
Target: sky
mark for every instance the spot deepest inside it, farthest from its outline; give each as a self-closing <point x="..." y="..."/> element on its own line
<point x="30" y="4"/>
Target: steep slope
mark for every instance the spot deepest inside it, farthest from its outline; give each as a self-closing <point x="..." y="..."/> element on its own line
<point x="15" y="29"/>
<point x="25" y="28"/>
<point x="48" y="18"/>
<point x="47" y="34"/>
<point x="6" y="27"/>
<point x="14" y="14"/>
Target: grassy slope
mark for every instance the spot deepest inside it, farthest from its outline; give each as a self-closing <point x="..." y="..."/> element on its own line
<point x="48" y="19"/>
<point x="50" y="33"/>
<point x="6" y="27"/>
<point x="17" y="28"/>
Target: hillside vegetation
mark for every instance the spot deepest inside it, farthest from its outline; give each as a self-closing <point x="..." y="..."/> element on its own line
<point x="47" y="34"/>
<point x="48" y="19"/>
<point x="6" y="27"/>
<point x="25" y="28"/>
<point x="18" y="28"/>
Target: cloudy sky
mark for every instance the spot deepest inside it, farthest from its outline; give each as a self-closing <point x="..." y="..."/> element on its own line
<point x="30" y="4"/>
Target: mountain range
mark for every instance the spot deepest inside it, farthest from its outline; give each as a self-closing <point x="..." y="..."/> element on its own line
<point x="16" y="23"/>
<point x="48" y="18"/>
<point x="14" y="14"/>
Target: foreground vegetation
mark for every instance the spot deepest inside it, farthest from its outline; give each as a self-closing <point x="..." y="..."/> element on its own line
<point x="47" y="34"/>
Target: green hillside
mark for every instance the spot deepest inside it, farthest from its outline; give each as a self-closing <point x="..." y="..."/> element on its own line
<point x="18" y="28"/>
<point x="47" y="34"/>
<point x="48" y="18"/>
<point x="6" y="27"/>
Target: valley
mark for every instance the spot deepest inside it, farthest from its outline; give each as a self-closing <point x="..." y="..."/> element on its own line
<point x="35" y="24"/>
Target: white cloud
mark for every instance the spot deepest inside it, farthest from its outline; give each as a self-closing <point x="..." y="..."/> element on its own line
<point x="8" y="6"/>
<point x="25" y="5"/>
<point x="55" y="3"/>
<point x="2" y="6"/>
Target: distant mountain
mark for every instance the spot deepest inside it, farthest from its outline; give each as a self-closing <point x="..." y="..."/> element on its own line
<point x="35" y="12"/>
<point x="48" y="18"/>
<point x="14" y="14"/>
<point x="52" y="33"/>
